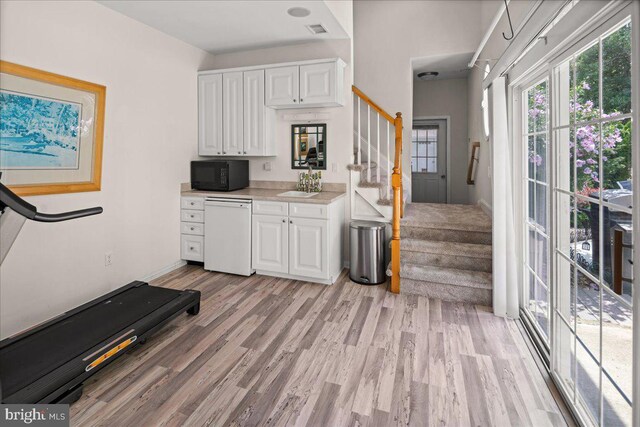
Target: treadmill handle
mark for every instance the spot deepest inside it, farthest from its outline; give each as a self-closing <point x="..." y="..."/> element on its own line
<point x="65" y="216"/>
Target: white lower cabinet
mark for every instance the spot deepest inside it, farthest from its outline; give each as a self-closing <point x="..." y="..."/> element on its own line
<point x="308" y="251"/>
<point x="270" y="244"/>
<point x="192" y="229"/>
<point x="306" y="244"/>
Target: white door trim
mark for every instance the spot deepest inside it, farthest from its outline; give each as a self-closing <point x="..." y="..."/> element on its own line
<point x="448" y="153"/>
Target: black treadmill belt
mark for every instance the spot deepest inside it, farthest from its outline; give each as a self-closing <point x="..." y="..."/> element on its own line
<point x="28" y="359"/>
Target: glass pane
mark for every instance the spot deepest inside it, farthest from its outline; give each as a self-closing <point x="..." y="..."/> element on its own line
<point x="587" y="158"/>
<point x="414" y="165"/>
<point x="542" y="262"/>
<point x="541" y="206"/>
<point x="616" y="156"/>
<point x="565" y="227"/>
<point x="432" y="149"/>
<point x="542" y="315"/>
<point x="422" y="134"/>
<point x="540" y="106"/>
<point x="587" y="82"/>
<point x="531" y="244"/>
<point x="531" y="157"/>
<point x="565" y="150"/>
<point x="565" y="355"/>
<point x="588" y="382"/>
<point x="422" y="149"/>
<point x="531" y="200"/>
<point x="531" y="111"/>
<point x="616" y="72"/>
<point x="414" y="134"/>
<point x="563" y="94"/>
<point x="565" y="292"/>
<point x="432" y="134"/>
<point x="618" y="261"/>
<point x="617" y="360"/>
<point x="432" y="165"/>
<point x="588" y="236"/>
<point x="532" y="306"/>
<point x="588" y="312"/>
<point x="541" y="158"/>
<point x="422" y="165"/>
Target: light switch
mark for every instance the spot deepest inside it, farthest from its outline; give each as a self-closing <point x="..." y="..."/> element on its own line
<point x="267" y="166"/>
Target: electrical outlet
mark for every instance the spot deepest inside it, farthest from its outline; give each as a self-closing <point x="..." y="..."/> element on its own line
<point x="108" y="259"/>
<point x="267" y="166"/>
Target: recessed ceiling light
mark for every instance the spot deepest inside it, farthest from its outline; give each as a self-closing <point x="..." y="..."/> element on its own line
<point x="299" y="12"/>
<point x="426" y="75"/>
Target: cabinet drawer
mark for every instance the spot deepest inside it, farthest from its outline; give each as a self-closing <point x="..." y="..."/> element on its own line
<point x="270" y="208"/>
<point x="308" y="210"/>
<point x="194" y="203"/>
<point x="188" y="215"/>
<point x="192" y="248"/>
<point x="195" y="228"/>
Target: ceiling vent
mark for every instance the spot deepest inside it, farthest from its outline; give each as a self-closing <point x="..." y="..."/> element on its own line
<point x="317" y="29"/>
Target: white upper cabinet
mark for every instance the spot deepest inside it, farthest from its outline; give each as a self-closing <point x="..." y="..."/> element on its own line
<point x="283" y="88"/>
<point x="317" y="83"/>
<point x="210" y="115"/>
<point x="232" y="116"/>
<point x="259" y="129"/>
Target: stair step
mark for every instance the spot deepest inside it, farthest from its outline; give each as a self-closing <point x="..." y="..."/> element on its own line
<point x="362" y="166"/>
<point x="385" y="202"/>
<point x="444" y="234"/>
<point x="443" y="292"/>
<point x="447" y="261"/>
<point x="371" y="184"/>
<point x="462" y="256"/>
<point x="445" y="276"/>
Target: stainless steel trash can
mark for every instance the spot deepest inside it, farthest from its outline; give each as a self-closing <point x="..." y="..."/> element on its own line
<point x="366" y="252"/>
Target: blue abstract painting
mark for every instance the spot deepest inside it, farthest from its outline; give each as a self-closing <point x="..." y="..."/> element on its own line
<point x="38" y="133"/>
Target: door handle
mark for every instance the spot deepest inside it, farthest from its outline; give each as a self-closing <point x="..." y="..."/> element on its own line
<point x="443" y="176"/>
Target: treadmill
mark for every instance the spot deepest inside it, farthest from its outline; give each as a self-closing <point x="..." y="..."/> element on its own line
<point x="50" y="362"/>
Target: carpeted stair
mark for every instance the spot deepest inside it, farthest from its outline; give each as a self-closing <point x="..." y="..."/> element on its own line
<point x="445" y="253"/>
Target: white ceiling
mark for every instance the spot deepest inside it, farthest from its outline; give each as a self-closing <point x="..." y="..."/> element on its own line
<point x="452" y="66"/>
<point x="225" y="26"/>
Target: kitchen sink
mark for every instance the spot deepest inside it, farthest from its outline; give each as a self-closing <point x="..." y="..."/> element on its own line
<point x="301" y="194"/>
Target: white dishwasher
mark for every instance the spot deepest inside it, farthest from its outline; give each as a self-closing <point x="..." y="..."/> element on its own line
<point x="227" y="235"/>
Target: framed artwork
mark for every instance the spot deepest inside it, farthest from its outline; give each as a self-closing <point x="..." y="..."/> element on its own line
<point x="51" y="131"/>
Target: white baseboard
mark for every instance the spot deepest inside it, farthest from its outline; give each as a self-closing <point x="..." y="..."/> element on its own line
<point x="486" y="207"/>
<point x="164" y="270"/>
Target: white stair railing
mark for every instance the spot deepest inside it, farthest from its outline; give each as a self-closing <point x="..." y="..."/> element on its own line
<point x="371" y="136"/>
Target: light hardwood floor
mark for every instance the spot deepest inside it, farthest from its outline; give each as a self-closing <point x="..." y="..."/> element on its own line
<point x="267" y="351"/>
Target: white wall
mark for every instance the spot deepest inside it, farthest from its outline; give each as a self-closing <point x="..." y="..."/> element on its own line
<point x="388" y="34"/>
<point x="496" y="45"/>
<point x="448" y="98"/>
<point x="150" y="136"/>
<point x="339" y="124"/>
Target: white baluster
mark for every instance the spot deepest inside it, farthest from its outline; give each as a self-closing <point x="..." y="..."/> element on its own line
<point x="378" y="132"/>
<point x="369" y="142"/>
<point x="388" y="164"/>
<point x="359" y="152"/>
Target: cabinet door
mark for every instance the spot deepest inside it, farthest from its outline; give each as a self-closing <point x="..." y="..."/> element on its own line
<point x="317" y="83"/>
<point x="232" y="113"/>
<point x="282" y="86"/>
<point x="270" y="243"/>
<point x="308" y="252"/>
<point x="210" y="115"/>
<point x="254" y="113"/>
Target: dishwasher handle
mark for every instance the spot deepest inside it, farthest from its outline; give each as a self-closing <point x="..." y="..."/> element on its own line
<point x="243" y="205"/>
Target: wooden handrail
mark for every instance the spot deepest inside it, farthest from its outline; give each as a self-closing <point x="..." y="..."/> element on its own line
<point x="373" y="105"/>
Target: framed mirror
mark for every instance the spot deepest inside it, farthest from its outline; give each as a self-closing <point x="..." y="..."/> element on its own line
<point x="309" y="146"/>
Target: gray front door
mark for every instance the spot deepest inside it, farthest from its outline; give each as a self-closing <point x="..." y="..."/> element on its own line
<point x="429" y="161"/>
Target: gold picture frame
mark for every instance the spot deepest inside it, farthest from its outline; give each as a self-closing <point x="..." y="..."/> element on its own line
<point x="89" y="133"/>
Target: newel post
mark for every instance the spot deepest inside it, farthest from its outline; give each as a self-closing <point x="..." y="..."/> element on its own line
<point x="396" y="182"/>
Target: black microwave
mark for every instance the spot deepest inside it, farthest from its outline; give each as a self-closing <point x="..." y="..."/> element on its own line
<point x="219" y="175"/>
